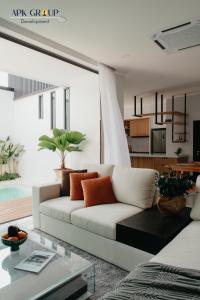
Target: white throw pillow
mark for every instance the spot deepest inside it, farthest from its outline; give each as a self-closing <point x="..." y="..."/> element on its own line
<point x="195" y="212"/>
<point x="134" y="186"/>
<point x="102" y="169"/>
<point x="198" y="183"/>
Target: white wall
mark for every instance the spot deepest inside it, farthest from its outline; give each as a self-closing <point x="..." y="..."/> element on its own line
<point x="85" y="117"/>
<point x="6" y="113"/>
<point x="84" y="106"/>
<point x="3" y="79"/>
<point x="36" y="165"/>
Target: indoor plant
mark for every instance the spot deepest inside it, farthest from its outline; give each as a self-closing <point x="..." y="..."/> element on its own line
<point x="178" y="151"/>
<point x="61" y="142"/>
<point x="9" y="156"/>
<point x="172" y="189"/>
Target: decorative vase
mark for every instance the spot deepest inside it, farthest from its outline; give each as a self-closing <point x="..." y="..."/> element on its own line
<point x="171" y="206"/>
<point x="59" y="173"/>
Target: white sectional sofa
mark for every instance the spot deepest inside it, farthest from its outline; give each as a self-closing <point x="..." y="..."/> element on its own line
<point x="174" y="273"/>
<point x="93" y="229"/>
<point x="184" y="249"/>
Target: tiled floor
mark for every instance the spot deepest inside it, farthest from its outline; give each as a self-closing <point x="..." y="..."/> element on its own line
<point x="15" y="209"/>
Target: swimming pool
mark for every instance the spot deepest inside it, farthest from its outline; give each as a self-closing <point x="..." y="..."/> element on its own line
<point x="13" y="192"/>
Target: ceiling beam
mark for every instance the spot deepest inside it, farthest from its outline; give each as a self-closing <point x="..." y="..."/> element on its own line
<point x="46" y="52"/>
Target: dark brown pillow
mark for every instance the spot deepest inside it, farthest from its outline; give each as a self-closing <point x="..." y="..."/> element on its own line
<point x="65" y="181"/>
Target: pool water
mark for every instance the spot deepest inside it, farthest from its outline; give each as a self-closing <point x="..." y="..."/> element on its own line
<point x="10" y="193"/>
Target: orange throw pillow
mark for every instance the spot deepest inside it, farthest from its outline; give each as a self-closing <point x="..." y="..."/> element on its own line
<point x="65" y="181"/>
<point x="76" y="191"/>
<point x="98" y="191"/>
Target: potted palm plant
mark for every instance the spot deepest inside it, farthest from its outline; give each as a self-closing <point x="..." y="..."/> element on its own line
<point x="61" y="142"/>
<point x="173" y="189"/>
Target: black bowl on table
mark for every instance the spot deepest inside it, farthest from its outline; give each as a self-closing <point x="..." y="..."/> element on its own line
<point x="14" y="245"/>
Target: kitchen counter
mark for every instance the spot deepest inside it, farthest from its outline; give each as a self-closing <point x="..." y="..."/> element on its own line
<point x="155" y="155"/>
<point x="155" y="161"/>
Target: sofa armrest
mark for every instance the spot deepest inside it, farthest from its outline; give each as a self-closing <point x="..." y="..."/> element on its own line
<point x="40" y="194"/>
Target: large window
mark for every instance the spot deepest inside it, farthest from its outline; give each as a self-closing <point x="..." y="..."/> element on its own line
<point x="67" y="108"/>
<point x="53" y="110"/>
<point x="40" y="107"/>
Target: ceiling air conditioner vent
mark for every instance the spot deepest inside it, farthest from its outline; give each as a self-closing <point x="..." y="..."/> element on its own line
<point x="180" y="37"/>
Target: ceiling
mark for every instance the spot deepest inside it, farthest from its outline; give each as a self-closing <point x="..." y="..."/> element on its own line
<point x="118" y="33"/>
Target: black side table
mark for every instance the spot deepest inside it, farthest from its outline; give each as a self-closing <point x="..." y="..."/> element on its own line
<point x="150" y="231"/>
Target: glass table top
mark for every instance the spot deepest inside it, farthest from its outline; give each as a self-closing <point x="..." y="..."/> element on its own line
<point x="19" y="284"/>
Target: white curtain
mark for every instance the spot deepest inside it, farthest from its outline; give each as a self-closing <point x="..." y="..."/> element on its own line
<point x="115" y="142"/>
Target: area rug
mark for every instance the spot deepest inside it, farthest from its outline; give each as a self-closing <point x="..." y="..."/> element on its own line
<point x="106" y="274"/>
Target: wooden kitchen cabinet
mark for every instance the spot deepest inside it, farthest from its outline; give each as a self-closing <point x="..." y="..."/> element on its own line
<point x="157" y="163"/>
<point x="139" y="127"/>
<point x="142" y="162"/>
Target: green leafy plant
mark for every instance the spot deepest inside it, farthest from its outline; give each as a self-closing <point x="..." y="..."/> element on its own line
<point x="171" y="185"/>
<point x="178" y="151"/>
<point x="62" y="142"/>
<point x="9" y="154"/>
<point x="8" y="176"/>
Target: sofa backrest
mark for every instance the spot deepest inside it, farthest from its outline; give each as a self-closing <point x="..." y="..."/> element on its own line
<point x="102" y="169"/>
<point x="198" y="183"/>
<point x="134" y="186"/>
<point x="195" y="212"/>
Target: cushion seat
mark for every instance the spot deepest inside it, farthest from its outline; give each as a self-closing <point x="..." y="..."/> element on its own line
<point x="102" y="219"/>
<point x="60" y="208"/>
<point x="183" y="250"/>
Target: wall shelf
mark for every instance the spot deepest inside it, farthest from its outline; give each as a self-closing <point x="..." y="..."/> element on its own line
<point x="171" y="117"/>
<point x="139" y="136"/>
<point x="172" y="123"/>
<point x="175" y="113"/>
<point x="184" y="124"/>
<point x="181" y="132"/>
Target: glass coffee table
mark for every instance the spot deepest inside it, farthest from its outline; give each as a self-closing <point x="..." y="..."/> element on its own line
<point x="67" y="276"/>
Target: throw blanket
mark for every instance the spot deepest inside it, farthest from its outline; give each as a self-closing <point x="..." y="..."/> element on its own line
<point x="158" y="281"/>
